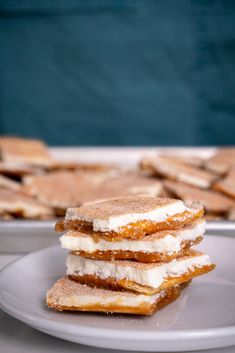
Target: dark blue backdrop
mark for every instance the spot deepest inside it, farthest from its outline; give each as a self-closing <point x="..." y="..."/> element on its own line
<point x="140" y="72"/>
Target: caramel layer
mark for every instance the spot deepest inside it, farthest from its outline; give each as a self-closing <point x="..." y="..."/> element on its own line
<point x="133" y="230"/>
<point x="114" y="284"/>
<point x="138" y="255"/>
<point x="143" y="309"/>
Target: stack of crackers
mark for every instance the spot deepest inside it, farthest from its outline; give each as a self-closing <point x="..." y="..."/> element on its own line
<point x="129" y="254"/>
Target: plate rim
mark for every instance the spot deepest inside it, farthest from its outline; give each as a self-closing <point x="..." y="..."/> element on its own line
<point x="99" y="332"/>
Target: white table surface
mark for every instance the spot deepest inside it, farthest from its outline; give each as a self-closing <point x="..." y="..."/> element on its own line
<point x="16" y="337"/>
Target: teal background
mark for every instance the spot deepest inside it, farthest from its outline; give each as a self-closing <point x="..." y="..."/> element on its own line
<point x="150" y="72"/>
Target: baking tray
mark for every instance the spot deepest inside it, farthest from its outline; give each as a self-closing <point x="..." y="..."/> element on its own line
<point x="22" y="236"/>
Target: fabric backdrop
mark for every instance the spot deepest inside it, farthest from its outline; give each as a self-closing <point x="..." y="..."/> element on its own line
<point x="110" y="72"/>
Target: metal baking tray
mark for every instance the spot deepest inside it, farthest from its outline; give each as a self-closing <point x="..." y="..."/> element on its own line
<point x="22" y="236"/>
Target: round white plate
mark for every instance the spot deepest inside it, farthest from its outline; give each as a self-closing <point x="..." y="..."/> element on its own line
<point x="203" y="317"/>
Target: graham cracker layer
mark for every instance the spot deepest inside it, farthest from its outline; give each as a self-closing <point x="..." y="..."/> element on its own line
<point x="64" y="289"/>
<point x="114" y="284"/>
<point x="138" y="255"/>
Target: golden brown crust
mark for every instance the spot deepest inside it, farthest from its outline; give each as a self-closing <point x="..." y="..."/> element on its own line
<point x="114" y="284"/>
<point x="133" y="230"/>
<point x="138" y="255"/>
<point x="143" y="309"/>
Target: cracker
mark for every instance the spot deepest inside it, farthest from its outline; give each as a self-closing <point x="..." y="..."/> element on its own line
<point x="212" y="201"/>
<point x="63" y="189"/>
<point x="125" y="206"/>
<point x="35" y="152"/>
<point x="21" y="205"/>
<point x="227" y="185"/>
<point x="67" y="295"/>
<point x="222" y="161"/>
<point x="147" y="278"/>
<point x="175" y="169"/>
<point x="114" y="284"/>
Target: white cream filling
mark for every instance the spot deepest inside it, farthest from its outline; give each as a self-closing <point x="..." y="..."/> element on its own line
<point x="114" y="222"/>
<point x="152" y="276"/>
<point x="118" y="299"/>
<point x="168" y="244"/>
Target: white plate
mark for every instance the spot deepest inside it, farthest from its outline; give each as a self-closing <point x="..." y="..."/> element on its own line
<point x="203" y="317"/>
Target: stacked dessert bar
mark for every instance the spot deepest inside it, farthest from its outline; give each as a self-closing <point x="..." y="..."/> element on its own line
<point x="129" y="255"/>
